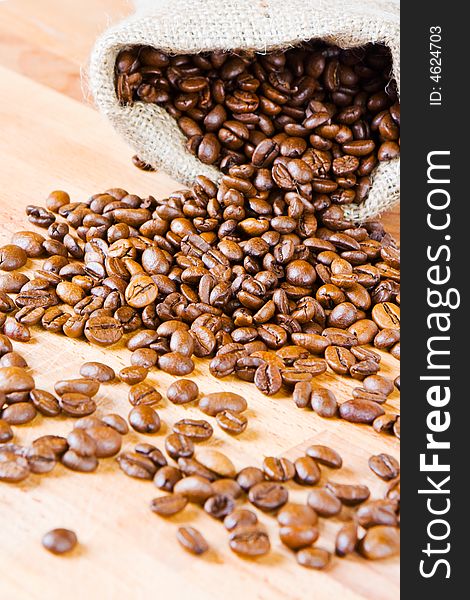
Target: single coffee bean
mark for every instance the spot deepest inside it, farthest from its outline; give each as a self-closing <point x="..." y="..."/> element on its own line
<point x="211" y="404"/>
<point x="378" y="384"/>
<point x="77" y="405"/>
<point x="76" y="462"/>
<point x="41" y="458"/>
<point x="360" y="411"/>
<point x="346" y="539"/>
<point x="152" y="452"/>
<point x="325" y="456"/>
<point x="144" y="419"/>
<point x="182" y="391"/>
<point x="216" y="462"/>
<point x="231" y="422"/>
<point x="56" y="443"/>
<point x="313" y="558"/>
<point x="19" y="332"/>
<point x="179" y="446"/>
<point x="240" y="518"/>
<point x="19" y="413"/>
<point x="195" y="488"/>
<point x="227" y="487"/>
<point x="268" y="496"/>
<point x="81" y="443"/>
<point x="384" y="423"/>
<point x="196" y="430"/>
<point x="15" y="379"/>
<point x="6" y="432"/>
<point x="59" y="541"/>
<point x="249" y="476"/>
<point x="13" y="359"/>
<point x="219" y="506"/>
<point x="166" y="478"/>
<point x="384" y="466"/>
<point x="133" y="375"/>
<point x="167" y="506"/>
<point x="144" y="357"/>
<point x="249" y="540"/>
<point x="12" y="257"/>
<point x="103" y="331"/>
<point x="380" y="542"/>
<point x="347" y="493"/>
<point x="386" y="315"/>
<point x="307" y="472"/>
<point x="116" y="422"/>
<point x="298" y="536"/>
<point x="323" y="402"/>
<point x="108" y="440"/>
<point x="324" y="502"/>
<point x="377" y="512"/>
<point x="278" y="469"/>
<point x="13" y="467"/>
<point x="302" y="393"/>
<point x="136" y="465"/>
<point x="296" y="515"/>
<point x="268" y="379"/>
<point x="192" y="540"/>
<point x="176" y="363"/>
<point x="98" y="371"/>
<point x="144" y="394"/>
<point x="45" y="402"/>
<point x="87" y="387"/>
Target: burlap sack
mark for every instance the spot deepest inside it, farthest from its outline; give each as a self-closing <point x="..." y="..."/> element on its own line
<point x="191" y="26"/>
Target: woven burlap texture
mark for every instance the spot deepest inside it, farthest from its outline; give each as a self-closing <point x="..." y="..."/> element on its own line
<point x="191" y="26"/>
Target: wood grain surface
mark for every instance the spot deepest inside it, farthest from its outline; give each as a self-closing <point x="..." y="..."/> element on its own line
<point x="51" y="139"/>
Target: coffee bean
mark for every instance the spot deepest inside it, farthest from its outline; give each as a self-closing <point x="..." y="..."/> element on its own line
<point x="182" y="391"/>
<point x="13" y="359"/>
<point x="56" y="443"/>
<point x="196" y="430"/>
<point x="325" y="456"/>
<point x="144" y="394"/>
<point x="77" y="405"/>
<point x="6" y="432"/>
<point x="144" y="419"/>
<point x="346" y="539"/>
<point x="268" y="496"/>
<point x="5" y="345"/>
<point x="45" y="402"/>
<point x="380" y="542"/>
<point x="240" y="518"/>
<point x="13" y="467"/>
<point x="15" y="379"/>
<point x="41" y="458"/>
<point x="231" y="422"/>
<point x="377" y="512"/>
<point x="166" y="478"/>
<point x="107" y="439"/>
<point x="249" y="476"/>
<point x="76" y="462"/>
<point x="378" y="384"/>
<point x="211" y="404"/>
<point x="98" y="371"/>
<point x="384" y="466"/>
<point x="227" y="487"/>
<point x="349" y="494"/>
<point x="219" y="506"/>
<point x="298" y="536"/>
<point x="313" y="558"/>
<point x="324" y="502"/>
<point x="307" y="471"/>
<point x="360" y="411"/>
<point x="278" y="469"/>
<point x="81" y="443"/>
<point x="176" y="363"/>
<point x="179" y="446"/>
<point x="136" y="465"/>
<point x="216" y="462"/>
<point x="191" y="540"/>
<point x="144" y="357"/>
<point x="195" y="488"/>
<point x="87" y="387"/>
<point x="103" y="331"/>
<point x="167" y="506"/>
<point x="59" y="541"/>
<point x="12" y="257"/>
<point x="249" y="540"/>
<point x="386" y="315"/>
<point x="116" y="422"/>
<point x="296" y="515"/>
<point x="323" y="402"/>
<point x="16" y="331"/>
<point x="19" y="413"/>
<point x="268" y="379"/>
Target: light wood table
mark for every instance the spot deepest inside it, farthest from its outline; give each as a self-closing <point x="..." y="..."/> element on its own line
<point x="49" y="140"/>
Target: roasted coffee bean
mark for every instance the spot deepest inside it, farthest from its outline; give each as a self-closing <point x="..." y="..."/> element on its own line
<point x="152" y="452"/>
<point x="182" y="391"/>
<point x="339" y="359"/>
<point x="133" y="375"/>
<point x="166" y="478"/>
<point x="167" y="506"/>
<point x="6" y="432"/>
<point x="377" y="512"/>
<point x="313" y="558"/>
<point x="296" y="515"/>
<point x="346" y="539"/>
<point x="216" y="461"/>
<point x="325" y="456"/>
<point x="384" y="423"/>
<point x="176" y="363"/>
<point x="56" y="443"/>
<point x="178" y="446"/>
<point x="298" y="536"/>
<point x="307" y="471"/>
<point x="136" y="465"/>
<point x="13" y="467"/>
<point x="98" y="371"/>
<point x="384" y="466"/>
<point x="278" y="469"/>
<point x="249" y="476"/>
<point x="76" y="462"/>
<point x="144" y="419"/>
<point x="227" y="487"/>
<point x="323" y="402"/>
<point x="144" y="357"/>
<point x="302" y="393"/>
<point x="107" y="439"/>
<point x="240" y="518"/>
<point x="81" y="443"/>
<point x="195" y="488"/>
<point x="13" y="359"/>
<point x="268" y="496"/>
<point x="231" y="422"/>
<point x="16" y="331"/>
<point x="196" y="430"/>
<point x="386" y="315"/>
<point x="12" y="257"/>
<point x="45" y="402"/>
<point x="360" y="411"/>
<point x="211" y="404"/>
<point x="324" y="502"/>
<point x="74" y="404"/>
<point x="378" y="384"/>
<point x="268" y="379"/>
<point x="192" y="540"/>
<point x="19" y="413"/>
<point x="219" y="506"/>
<point x="41" y="458"/>
<point x="88" y="387"/>
<point x="59" y="541"/>
<point x="30" y="315"/>
<point x="380" y="542"/>
<point x="349" y="494"/>
<point x="249" y="540"/>
<point x="15" y="379"/>
<point x="103" y="331"/>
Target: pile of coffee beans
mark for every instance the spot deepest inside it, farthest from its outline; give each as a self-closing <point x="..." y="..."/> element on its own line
<point x="314" y="119"/>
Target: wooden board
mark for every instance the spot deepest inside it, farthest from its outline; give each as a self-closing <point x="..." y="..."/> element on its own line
<point x="50" y="141"/>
